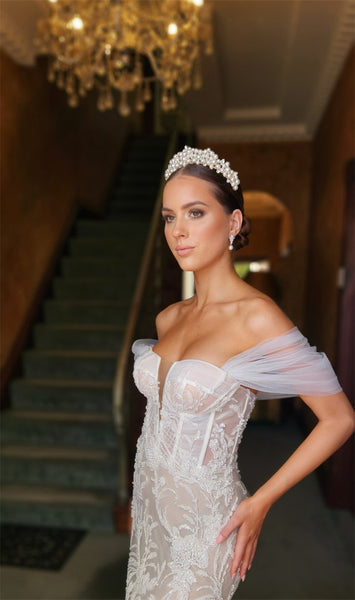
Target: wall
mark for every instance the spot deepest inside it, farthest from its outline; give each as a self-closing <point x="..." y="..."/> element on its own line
<point x="284" y="170"/>
<point x="309" y="179"/>
<point x="52" y="157"/>
<point x="333" y="147"/>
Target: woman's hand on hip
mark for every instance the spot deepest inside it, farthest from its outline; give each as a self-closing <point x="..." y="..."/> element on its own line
<point x="248" y="519"/>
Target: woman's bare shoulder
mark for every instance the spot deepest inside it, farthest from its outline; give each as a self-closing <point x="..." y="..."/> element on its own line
<point x="169" y="316"/>
<point x="263" y="318"/>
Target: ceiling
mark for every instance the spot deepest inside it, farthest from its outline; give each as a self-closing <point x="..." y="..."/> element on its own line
<point x="272" y="72"/>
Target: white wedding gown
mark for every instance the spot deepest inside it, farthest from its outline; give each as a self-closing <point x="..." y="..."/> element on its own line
<point x="186" y="482"/>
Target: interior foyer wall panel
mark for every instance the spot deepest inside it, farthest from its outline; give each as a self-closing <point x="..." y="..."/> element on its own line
<point x="52" y="157"/>
<point x="284" y="170"/>
<point x="334" y="146"/>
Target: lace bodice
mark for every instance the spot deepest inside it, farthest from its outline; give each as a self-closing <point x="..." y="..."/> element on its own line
<point x="199" y="415"/>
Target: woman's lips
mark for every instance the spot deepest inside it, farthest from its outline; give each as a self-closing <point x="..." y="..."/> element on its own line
<point x="183" y="251"/>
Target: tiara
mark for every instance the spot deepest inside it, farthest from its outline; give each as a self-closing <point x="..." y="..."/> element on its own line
<point x="207" y="158"/>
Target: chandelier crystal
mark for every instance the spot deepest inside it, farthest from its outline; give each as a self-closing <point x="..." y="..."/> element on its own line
<point x="125" y="45"/>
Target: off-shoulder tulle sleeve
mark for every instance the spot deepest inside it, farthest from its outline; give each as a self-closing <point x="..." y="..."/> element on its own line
<point x="140" y="346"/>
<point x="284" y="366"/>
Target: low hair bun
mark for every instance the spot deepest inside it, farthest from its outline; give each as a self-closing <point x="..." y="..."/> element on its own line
<point x="241" y="239"/>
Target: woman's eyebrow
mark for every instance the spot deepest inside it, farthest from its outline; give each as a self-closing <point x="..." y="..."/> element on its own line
<point x="188" y="205"/>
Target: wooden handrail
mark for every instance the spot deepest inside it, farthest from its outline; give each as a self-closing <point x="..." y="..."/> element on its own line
<point x="119" y="416"/>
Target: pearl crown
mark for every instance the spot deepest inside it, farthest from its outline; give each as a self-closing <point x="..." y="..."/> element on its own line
<point x="207" y="158"/>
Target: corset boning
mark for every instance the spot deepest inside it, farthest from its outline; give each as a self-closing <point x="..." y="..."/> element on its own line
<point x="198" y="427"/>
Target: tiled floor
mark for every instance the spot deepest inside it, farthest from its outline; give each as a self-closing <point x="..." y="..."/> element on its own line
<point x="305" y="550"/>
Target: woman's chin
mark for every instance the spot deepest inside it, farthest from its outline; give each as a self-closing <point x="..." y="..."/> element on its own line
<point x="186" y="265"/>
<point x="192" y="265"/>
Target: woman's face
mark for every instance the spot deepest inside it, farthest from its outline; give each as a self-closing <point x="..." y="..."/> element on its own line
<point x="196" y="225"/>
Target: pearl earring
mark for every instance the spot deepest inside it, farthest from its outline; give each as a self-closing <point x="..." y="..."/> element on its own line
<point x="231" y="240"/>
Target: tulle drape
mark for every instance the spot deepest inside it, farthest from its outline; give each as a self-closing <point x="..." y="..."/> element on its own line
<point x="279" y="367"/>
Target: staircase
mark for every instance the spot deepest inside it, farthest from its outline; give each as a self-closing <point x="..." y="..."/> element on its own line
<point x="59" y="450"/>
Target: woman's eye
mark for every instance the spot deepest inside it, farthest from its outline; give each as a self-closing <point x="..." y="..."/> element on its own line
<point x="196" y="212"/>
<point x="168" y="218"/>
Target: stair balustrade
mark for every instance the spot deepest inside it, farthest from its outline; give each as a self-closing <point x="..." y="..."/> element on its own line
<point x="147" y="290"/>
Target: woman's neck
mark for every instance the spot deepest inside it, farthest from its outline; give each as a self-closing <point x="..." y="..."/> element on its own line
<point x="216" y="284"/>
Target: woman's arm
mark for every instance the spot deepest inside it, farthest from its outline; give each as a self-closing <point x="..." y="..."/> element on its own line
<point x="336" y="422"/>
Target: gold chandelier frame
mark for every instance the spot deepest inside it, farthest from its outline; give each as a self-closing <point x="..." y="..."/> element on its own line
<point x="125" y="46"/>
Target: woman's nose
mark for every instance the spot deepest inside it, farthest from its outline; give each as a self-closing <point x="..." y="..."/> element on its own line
<point x="180" y="228"/>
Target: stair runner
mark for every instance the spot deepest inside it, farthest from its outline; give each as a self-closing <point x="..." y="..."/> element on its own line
<point x="59" y="450"/>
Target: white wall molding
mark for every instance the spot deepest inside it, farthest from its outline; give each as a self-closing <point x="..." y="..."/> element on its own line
<point x="253" y="114"/>
<point x="343" y="39"/>
<point x="257" y="133"/>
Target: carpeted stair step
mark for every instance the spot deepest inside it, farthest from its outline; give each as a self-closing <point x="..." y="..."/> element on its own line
<point x="67" y="467"/>
<point x="78" y="337"/>
<point x="139" y="155"/>
<point x="58" y="507"/>
<point x="117" y="207"/>
<point x="61" y="364"/>
<point x="148" y="142"/>
<point x="129" y="176"/>
<point x="96" y="313"/>
<point x="141" y="205"/>
<point x="76" y="430"/>
<point x="85" y="246"/>
<point x="94" y="288"/>
<point x="111" y="229"/>
<point x="148" y="145"/>
<point x="140" y="190"/>
<point x="63" y="395"/>
<point x="140" y="201"/>
<point x="73" y="266"/>
<point x="144" y="168"/>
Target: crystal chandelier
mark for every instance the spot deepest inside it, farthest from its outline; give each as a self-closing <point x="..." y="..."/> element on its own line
<point x="125" y="45"/>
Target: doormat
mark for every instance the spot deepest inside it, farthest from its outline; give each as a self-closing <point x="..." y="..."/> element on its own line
<point x="32" y="547"/>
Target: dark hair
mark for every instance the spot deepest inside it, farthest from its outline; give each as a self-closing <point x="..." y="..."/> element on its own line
<point x="228" y="198"/>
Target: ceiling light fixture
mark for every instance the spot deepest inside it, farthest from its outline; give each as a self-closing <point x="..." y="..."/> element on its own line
<point x="125" y="46"/>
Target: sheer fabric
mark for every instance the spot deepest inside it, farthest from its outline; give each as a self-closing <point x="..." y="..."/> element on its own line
<point x="284" y="366"/>
<point x="186" y="481"/>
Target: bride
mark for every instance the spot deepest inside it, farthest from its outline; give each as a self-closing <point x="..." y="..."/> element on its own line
<point x="195" y="530"/>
